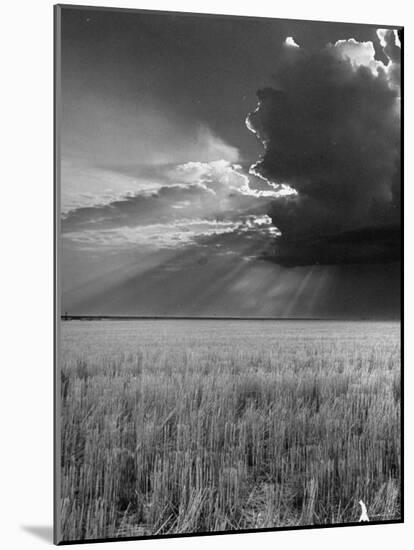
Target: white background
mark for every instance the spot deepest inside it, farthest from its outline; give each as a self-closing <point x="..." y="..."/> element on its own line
<point x="26" y="414"/>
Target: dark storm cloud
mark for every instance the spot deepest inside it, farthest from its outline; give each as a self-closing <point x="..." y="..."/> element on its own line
<point x="368" y="245"/>
<point x="331" y="130"/>
<point x="193" y="68"/>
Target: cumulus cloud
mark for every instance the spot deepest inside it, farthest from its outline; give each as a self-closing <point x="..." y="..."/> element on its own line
<point x="155" y="235"/>
<point x="195" y="202"/>
<point x="330" y="128"/>
<point x="222" y="177"/>
<point x="177" y="233"/>
<point x="103" y="185"/>
<point x="138" y="171"/>
<point x="291" y="42"/>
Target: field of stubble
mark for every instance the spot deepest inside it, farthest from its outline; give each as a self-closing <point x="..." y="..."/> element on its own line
<point x="195" y="426"/>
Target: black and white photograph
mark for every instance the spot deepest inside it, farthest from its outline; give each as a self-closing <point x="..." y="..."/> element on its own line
<point x="228" y="233"/>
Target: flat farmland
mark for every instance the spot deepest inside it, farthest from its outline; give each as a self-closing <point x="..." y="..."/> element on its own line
<point x="179" y="426"/>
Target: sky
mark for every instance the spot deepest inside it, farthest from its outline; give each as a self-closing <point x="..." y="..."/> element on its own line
<point x="222" y="166"/>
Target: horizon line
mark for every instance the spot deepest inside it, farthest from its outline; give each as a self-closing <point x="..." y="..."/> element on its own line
<point x="68" y="317"/>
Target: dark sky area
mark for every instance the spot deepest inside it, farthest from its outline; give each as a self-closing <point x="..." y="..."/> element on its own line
<point x="229" y="166"/>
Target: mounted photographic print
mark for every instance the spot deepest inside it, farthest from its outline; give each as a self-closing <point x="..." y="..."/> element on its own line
<point x="228" y="274"/>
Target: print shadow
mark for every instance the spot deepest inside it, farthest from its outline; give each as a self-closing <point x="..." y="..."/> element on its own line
<point x="43" y="532"/>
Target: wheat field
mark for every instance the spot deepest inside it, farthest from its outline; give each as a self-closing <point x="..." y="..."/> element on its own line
<point x="174" y="426"/>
